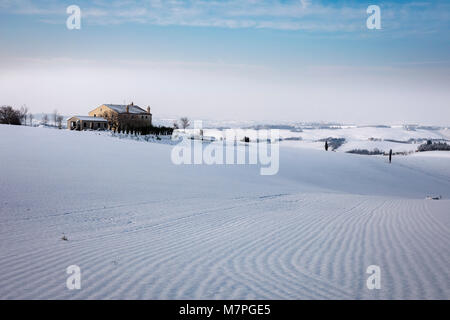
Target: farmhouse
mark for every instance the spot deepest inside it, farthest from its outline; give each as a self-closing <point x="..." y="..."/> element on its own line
<point x="85" y="123"/>
<point x="113" y="116"/>
<point x="125" y="116"/>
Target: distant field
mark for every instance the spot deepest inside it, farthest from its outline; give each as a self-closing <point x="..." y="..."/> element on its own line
<point x="398" y="138"/>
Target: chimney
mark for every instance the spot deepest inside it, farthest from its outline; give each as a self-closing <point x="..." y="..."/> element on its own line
<point x="148" y="109"/>
<point x="128" y="109"/>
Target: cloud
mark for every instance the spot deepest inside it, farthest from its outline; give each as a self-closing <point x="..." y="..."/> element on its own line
<point x="305" y="15"/>
<point x="305" y="3"/>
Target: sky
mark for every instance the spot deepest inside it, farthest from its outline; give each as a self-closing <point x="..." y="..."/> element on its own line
<point x="265" y="60"/>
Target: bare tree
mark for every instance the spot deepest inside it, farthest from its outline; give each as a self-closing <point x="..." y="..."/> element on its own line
<point x="31" y="119"/>
<point x="185" y="122"/>
<point x="55" y="117"/>
<point x="23" y="114"/>
<point x="44" y="120"/>
<point x="59" y="120"/>
<point x="113" y="120"/>
<point x="175" y="125"/>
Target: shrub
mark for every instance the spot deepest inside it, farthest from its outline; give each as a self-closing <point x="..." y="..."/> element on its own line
<point x="161" y="130"/>
<point x="437" y="146"/>
<point x="8" y="115"/>
<point x="366" y="152"/>
<point x="334" y="143"/>
<point x="292" y="139"/>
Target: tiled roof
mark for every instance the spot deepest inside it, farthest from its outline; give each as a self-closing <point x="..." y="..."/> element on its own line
<point x="86" y="118"/>
<point x="121" y="108"/>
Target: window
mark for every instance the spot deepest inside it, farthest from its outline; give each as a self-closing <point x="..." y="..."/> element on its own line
<point x="84" y="124"/>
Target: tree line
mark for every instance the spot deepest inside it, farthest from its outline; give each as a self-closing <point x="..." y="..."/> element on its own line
<point x="9" y="115"/>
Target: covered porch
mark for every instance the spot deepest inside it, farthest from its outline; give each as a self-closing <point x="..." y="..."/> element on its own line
<point x="87" y="123"/>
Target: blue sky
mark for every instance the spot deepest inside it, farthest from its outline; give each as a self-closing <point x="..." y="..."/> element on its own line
<point x="265" y="59"/>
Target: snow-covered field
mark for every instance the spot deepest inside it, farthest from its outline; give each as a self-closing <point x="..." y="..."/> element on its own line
<point x="140" y="227"/>
<point x="397" y="138"/>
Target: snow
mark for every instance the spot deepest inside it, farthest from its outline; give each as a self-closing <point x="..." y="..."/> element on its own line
<point x="435" y="154"/>
<point x="86" y="118"/>
<point x="380" y="145"/>
<point x="397" y="138"/>
<point x="141" y="227"/>
<point x="123" y="108"/>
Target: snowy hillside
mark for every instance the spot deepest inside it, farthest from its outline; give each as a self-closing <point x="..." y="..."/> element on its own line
<point x="141" y="227"/>
<point x="383" y="138"/>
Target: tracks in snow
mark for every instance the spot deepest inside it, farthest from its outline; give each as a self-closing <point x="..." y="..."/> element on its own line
<point x="313" y="246"/>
